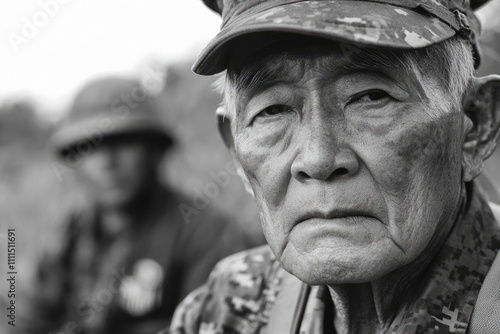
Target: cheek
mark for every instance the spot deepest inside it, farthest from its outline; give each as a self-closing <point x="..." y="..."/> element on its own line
<point x="265" y="156"/>
<point x="411" y="148"/>
<point x="426" y="155"/>
<point x="417" y="168"/>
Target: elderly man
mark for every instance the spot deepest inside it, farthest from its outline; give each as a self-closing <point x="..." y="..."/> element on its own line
<point x="359" y="127"/>
<point x="128" y="257"/>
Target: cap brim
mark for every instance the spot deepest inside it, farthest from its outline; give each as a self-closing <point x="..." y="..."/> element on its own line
<point x="93" y="129"/>
<point x="358" y="22"/>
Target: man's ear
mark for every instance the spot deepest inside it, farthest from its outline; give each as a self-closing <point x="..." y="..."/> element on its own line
<point x="482" y="108"/>
<point x="224" y="125"/>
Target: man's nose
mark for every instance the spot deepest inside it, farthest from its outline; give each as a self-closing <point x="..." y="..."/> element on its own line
<point x="324" y="155"/>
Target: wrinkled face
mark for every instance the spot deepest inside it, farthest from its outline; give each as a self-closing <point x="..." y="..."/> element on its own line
<point x="118" y="170"/>
<point x="354" y="168"/>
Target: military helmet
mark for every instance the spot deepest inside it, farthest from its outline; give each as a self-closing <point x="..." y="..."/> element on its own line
<point x="106" y="107"/>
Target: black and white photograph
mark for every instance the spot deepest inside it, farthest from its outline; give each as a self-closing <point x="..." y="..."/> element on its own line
<point x="250" y="167"/>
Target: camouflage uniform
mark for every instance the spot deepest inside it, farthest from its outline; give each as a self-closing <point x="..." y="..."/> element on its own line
<point x="242" y="290"/>
<point x="131" y="282"/>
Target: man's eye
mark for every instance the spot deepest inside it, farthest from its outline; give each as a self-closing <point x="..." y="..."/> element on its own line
<point x="275" y="110"/>
<point x="371" y="96"/>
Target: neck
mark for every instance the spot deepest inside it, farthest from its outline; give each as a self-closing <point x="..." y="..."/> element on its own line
<point x="355" y="309"/>
<point x="371" y="307"/>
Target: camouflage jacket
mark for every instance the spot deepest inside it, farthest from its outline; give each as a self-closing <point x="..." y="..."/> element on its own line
<point x="241" y="292"/>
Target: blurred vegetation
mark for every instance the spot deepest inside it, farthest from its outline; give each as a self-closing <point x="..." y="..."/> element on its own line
<point x="35" y="201"/>
<point x="189" y="102"/>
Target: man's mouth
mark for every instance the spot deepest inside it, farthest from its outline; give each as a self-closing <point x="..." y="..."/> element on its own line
<point x="333" y="214"/>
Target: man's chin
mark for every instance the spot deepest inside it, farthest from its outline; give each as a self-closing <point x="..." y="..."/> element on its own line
<point x="317" y="270"/>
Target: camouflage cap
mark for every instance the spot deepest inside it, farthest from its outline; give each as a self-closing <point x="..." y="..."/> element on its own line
<point x="402" y="24"/>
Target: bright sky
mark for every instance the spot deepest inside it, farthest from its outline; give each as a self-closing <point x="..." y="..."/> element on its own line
<point x="83" y="39"/>
<point x="49" y="57"/>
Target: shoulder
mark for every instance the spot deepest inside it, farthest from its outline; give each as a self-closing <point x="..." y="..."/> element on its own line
<point x="239" y="294"/>
<point x="70" y="225"/>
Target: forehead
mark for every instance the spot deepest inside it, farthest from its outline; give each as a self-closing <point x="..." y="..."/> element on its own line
<point x="285" y="60"/>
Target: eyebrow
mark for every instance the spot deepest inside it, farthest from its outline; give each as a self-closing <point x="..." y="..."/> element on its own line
<point x="276" y="67"/>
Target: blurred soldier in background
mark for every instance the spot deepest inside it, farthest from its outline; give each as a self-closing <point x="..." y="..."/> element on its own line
<point x="127" y="259"/>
